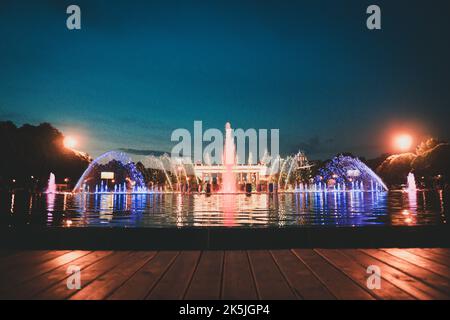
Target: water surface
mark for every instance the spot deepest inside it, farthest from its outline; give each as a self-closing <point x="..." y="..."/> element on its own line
<point x="198" y="210"/>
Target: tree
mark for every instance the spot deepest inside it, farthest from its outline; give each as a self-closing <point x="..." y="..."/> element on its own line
<point x="35" y="151"/>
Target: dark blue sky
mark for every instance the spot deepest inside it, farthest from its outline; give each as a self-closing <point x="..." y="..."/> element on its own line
<point x="139" y="69"/>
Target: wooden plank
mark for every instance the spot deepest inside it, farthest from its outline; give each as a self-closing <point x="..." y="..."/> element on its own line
<point x="413" y="286"/>
<point x="426" y="276"/>
<point x="238" y="280"/>
<point x="35" y="285"/>
<point x="341" y="286"/>
<point x="105" y="284"/>
<point x="60" y="291"/>
<point x="277" y="274"/>
<point x="431" y="256"/>
<point x="300" y="278"/>
<point x="140" y="284"/>
<point x="421" y="262"/>
<point x="16" y="276"/>
<point x="174" y="283"/>
<point x="206" y="283"/>
<point x="270" y="282"/>
<point x="439" y="251"/>
<point x="359" y="274"/>
<point x="25" y="259"/>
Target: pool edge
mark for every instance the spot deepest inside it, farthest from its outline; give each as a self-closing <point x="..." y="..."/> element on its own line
<point x="220" y="238"/>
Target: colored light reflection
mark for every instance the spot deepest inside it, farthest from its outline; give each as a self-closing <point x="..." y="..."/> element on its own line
<point x="235" y="210"/>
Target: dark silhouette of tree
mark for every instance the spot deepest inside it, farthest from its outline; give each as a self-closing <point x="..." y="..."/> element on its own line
<point x="429" y="162"/>
<point x="35" y="151"/>
<point x="433" y="162"/>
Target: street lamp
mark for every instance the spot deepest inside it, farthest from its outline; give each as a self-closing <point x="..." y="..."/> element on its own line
<point x="403" y="142"/>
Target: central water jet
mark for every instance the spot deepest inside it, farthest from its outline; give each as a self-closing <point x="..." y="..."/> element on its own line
<point x="229" y="161"/>
<point x="51" y="186"/>
<point x="411" y="183"/>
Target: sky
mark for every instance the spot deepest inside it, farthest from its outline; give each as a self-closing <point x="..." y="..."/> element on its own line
<point x="137" y="70"/>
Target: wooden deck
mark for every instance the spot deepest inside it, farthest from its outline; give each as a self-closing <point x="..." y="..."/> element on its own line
<point x="259" y="274"/>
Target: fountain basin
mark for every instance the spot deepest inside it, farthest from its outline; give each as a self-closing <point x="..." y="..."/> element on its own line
<point x="222" y="238"/>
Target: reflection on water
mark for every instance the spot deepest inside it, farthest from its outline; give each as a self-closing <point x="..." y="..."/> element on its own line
<point x="257" y="210"/>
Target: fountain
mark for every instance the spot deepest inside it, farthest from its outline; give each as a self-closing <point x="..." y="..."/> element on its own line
<point x="229" y="161"/>
<point x="349" y="174"/>
<point x="411" y="180"/>
<point x="115" y="172"/>
<point x="127" y="177"/>
<point x="51" y="187"/>
<point x="156" y="163"/>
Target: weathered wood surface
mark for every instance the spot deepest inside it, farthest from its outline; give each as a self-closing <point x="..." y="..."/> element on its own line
<point x="204" y="275"/>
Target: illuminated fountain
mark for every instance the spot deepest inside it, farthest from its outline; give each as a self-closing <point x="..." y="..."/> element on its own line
<point x="411" y="191"/>
<point x="161" y="164"/>
<point x="345" y="174"/>
<point x="51" y="186"/>
<point x="291" y="171"/>
<point x="411" y="183"/>
<point x="115" y="172"/>
<point x="229" y="161"/>
<point x="112" y="172"/>
<point x="51" y="193"/>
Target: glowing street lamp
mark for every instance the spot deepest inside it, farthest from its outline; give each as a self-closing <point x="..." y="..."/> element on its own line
<point x="403" y="142"/>
<point x="70" y="142"/>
